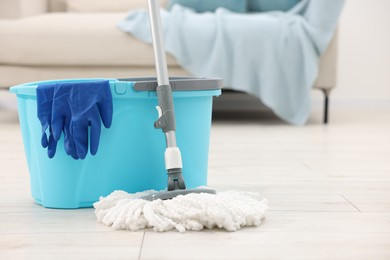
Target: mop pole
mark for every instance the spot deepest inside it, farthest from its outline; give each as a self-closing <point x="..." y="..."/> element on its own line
<point x="166" y="116"/>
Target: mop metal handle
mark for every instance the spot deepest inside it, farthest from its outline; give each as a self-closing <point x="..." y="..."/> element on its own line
<point x="158" y="43"/>
<point x="166" y="119"/>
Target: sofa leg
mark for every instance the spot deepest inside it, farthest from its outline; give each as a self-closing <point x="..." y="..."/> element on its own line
<point x="326" y="104"/>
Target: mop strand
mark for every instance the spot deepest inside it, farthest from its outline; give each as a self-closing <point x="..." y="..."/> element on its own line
<point x="229" y="210"/>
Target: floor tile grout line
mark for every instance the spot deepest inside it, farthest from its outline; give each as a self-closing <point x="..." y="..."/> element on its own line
<point x="142" y="245"/>
<point x="350" y="202"/>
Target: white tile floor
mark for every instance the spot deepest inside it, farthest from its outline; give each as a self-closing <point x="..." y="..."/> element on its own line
<point x="328" y="189"/>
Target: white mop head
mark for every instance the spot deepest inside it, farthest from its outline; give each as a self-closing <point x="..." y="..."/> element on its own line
<point x="229" y="210"/>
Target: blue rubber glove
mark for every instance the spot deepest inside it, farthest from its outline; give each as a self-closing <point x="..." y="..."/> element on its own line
<point x="44" y="112"/>
<point x="45" y="100"/>
<point x="78" y="108"/>
<point x="61" y="118"/>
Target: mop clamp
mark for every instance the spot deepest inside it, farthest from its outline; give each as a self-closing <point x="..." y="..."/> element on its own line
<point x="176" y="180"/>
<point x="166" y="119"/>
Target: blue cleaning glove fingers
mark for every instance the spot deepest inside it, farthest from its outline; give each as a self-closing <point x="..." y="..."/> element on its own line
<point x="57" y="126"/>
<point x="106" y="111"/>
<point x="91" y="105"/>
<point x="52" y="147"/>
<point x="44" y="141"/>
<point x="44" y="113"/>
<point x="61" y="110"/>
<point x="70" y="148"/>
<point x="79" y="131"/>
<point x="62" y="116"/>
<point x="94" y="136"/>
<point x="105" y="104"/>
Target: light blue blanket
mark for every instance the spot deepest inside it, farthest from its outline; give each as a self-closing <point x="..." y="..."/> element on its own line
<point x="273" y="56"/>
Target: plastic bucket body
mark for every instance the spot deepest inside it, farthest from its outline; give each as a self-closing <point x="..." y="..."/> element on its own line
<point x="131" y="151"/>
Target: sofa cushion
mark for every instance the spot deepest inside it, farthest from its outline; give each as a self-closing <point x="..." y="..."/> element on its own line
<point x="86" y="6"/>
<point x="72" y="39"/>
<point x="200" y="6"/>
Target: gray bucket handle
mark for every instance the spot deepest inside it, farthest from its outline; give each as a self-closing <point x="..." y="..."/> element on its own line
<point x="178" y="83"/>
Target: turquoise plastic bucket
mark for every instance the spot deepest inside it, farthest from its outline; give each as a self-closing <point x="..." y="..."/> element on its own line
<point x="131" y="152"/>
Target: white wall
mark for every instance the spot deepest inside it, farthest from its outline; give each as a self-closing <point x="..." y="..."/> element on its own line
<point x="364" y="51"/>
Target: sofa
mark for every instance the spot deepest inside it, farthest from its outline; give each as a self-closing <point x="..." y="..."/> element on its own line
<point x="53" y="39"/>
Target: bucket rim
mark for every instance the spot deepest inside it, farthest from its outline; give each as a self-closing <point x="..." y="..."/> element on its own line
<point x="136" y="86"/>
